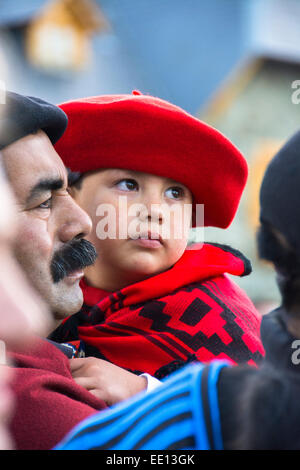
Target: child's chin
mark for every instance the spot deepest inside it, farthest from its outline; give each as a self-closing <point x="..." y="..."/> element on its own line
<point x="145" y="270"/>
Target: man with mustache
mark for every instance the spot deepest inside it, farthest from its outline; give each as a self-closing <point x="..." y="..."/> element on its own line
<point x="51" y="249"/>
<point x="50" y="224"/>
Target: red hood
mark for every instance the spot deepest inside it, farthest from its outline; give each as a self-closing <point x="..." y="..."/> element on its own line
<point x="199" y="262"/>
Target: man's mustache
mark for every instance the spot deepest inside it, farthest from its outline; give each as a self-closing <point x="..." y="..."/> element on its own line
<point x="77" y="254"/>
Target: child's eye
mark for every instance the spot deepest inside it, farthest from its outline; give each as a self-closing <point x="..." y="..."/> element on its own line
<point x="128" y="185"/>
<point x="175" y="192"/>
<point x="46" y="204"/>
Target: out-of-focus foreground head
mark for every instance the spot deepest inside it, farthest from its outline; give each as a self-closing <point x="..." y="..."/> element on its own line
<point x="22" y="312"/>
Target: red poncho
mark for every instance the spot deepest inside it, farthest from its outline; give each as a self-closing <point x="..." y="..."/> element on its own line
<point x="191" y="311"/>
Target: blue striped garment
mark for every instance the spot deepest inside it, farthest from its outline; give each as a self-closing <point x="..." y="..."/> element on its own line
<point x="181" y="413"/>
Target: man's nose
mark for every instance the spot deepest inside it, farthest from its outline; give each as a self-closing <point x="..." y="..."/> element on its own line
<point x="76" y="222"/>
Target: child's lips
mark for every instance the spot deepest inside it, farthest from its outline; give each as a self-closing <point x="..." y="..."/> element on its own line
<point x="146" y="243"/>
<point x="149" y="240"/>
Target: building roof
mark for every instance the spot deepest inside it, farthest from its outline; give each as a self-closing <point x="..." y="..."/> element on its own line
<point x="14" y="13"/>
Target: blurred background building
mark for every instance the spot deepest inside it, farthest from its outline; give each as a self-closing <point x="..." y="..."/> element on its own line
<point x="233" y="63"/>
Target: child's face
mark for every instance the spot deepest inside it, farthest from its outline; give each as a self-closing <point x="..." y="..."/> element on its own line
<point x="145" y="219"/>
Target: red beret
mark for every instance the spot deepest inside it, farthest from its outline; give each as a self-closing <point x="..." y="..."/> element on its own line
<point x="143" y="133"/>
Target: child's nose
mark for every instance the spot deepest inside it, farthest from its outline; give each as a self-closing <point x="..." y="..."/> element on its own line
<point x="151" y="213"/>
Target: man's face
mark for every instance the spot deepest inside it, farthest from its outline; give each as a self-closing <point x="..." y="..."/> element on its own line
<point x="49" y="221"/>
<point x="151" y="241"/>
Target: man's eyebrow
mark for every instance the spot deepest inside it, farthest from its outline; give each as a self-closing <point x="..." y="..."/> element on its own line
<point x="47" y="184"/>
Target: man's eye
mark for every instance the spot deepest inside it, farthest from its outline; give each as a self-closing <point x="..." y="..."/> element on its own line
<point x="46" y="205"/>
<point x="175" y="192"/>
<point x="128" y="185"/>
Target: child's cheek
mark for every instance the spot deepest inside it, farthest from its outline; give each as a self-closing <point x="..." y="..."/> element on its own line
<point x="175" y="250"/>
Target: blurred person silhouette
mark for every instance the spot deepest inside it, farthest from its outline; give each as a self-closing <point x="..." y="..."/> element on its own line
<point x="49" y="245"/>
<point x="19" y="322"/>
<point x="220" y="406"/>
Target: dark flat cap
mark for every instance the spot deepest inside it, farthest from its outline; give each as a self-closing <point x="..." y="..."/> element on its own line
<point x="23" y="115"/>
<point x="280" y="192"/>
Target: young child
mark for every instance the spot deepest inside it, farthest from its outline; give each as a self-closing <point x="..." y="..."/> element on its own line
<point x="152" y="303"/>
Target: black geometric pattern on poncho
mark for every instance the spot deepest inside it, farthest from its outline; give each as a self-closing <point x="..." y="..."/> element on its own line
<point x="237" y="350"/>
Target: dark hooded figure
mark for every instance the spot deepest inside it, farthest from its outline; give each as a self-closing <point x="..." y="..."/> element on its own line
<point x="267" y="412"/>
